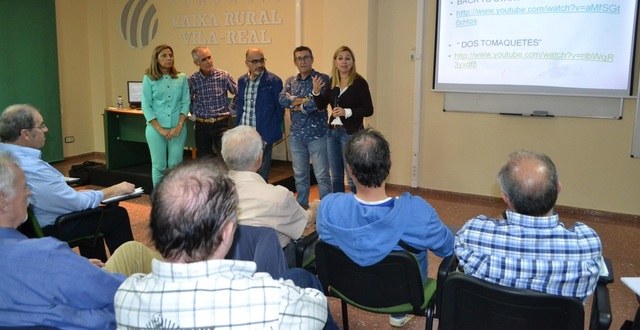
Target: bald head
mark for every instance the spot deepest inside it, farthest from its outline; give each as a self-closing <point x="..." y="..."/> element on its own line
<point x="190" y="208"/>
<point x="530" y="182"/>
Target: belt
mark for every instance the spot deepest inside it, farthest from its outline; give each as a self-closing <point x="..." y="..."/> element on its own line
<point x="211" y="120"/>
<point x="335" y="126"/>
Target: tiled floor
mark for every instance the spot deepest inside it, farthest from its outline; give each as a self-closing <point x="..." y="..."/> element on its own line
<point x="620" y="240"/>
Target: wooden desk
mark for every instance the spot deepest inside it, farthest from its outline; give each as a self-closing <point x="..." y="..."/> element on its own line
<point x="125" y="141"/>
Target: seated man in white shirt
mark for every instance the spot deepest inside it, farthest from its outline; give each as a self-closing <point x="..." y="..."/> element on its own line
<point x="22" y="131"/>
<point x="193" y="219"/>
<point x="261" y="204"/>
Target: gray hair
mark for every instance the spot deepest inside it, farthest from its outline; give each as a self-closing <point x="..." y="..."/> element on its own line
<point x="14" y="119"/>
<point x="530" y="193"/>
<point x="7" y="174"/>
<point x="241" y="148"/>
<point x="194" y="52"/>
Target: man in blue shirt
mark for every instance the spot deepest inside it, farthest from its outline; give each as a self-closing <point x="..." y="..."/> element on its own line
<point x="369" y="224"/>
<point x="43" y="282"/>
<point x="209" y="88"/>
<point x="22" y="131"/>
<point x="308" y="127"/>
<point x="531" y="249"/>
<point x="257" y="104"/>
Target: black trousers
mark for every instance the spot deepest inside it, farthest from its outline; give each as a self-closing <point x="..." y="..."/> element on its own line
<point x="115" y="227"/>
<point x="208" y="137"/>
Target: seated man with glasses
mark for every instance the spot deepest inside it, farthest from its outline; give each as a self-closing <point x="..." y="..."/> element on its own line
<point x="256" y="104"/>
<point x="22" y="131"/>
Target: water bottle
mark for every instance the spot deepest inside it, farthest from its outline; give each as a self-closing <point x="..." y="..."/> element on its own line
<point x="119" y="101"/>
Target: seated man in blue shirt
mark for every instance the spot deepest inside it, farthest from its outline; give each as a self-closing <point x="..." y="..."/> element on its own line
<point x="22" y="131"/>
<point x="370" y="224"/>
<point x="43" y="282"/>
<point x="531" y="249"/>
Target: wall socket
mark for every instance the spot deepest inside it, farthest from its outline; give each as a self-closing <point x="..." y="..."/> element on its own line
<point x="68" y="139"/>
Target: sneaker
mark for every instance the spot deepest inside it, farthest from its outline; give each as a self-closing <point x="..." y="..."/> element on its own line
<point x="399" y="320"/>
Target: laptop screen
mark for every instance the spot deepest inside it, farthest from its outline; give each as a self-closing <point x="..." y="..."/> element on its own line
<point x="134" y="88"/>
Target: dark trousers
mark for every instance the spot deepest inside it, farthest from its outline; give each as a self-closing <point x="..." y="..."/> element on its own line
<point x="115" y="227"/>
<point x="266" y="162"/>
<point x="208" y="137"/>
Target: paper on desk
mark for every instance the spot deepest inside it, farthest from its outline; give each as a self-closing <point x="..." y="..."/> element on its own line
<point x="70" y="179"/>
<point x="633" y="283"/>
<point x="137" y="191"/>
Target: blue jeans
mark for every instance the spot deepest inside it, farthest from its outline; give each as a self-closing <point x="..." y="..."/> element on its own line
<point x="266" y="162"/>
<point x="300" y="153"/>
<point x="337" y="140"/>
<point x="304" y="279"/>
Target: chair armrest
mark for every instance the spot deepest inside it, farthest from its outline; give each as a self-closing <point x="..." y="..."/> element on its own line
<point x="600" y="308"/>
<point x="447" y="265"/>
<point x="64" y="219"/>
<point x="303" y="244"/>
<point x="609" y="278"/>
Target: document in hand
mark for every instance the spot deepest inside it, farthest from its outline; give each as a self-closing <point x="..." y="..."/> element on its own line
<point x="136" y="193"/>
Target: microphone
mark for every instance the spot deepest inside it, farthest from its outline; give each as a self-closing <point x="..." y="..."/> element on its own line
<point x="335" y="94"/>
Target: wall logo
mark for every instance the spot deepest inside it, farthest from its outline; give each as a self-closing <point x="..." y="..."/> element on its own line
<point x="138" y="23"/>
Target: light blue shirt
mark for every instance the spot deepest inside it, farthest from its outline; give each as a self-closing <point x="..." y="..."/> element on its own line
<point x="43" y="282"/>
<point x="50" y="196"/>
<point x="165" y="99"/>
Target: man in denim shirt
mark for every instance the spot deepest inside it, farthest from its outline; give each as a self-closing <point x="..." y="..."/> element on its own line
<point x="308" y="128"/>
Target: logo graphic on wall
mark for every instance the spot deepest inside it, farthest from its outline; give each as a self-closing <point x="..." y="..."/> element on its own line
<point x="138" y="23"/>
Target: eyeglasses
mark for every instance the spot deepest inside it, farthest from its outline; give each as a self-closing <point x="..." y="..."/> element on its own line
<point x="254" y="62"/>
<point x="264" y="144"/>
<point x="42" y="126"/>
<point x="303" y="58"/>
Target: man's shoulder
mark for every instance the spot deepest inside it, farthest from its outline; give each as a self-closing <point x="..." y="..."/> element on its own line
<point x="195" y="75"/>
<point x="271" y="76"/>
<point x="324" y="76"/>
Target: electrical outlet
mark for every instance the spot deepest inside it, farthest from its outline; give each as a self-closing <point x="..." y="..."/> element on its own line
<point x="68" y="139"/>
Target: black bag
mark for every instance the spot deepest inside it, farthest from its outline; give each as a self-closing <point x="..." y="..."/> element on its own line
<point x="81" y="171"/>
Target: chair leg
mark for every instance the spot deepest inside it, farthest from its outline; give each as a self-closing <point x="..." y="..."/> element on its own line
<point x="98" y="252"/>
<point x="345" y="316"/>
<point x="428" y="323"/>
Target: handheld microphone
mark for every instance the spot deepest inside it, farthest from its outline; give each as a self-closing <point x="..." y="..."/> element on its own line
<point x="335" y="94"/>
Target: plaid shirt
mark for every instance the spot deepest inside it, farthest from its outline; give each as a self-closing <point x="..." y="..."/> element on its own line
<point x="250" y="95"/>
<point x="536" y="253"/>
<point x="220" y="294"/>
<point x="209" y="97"/>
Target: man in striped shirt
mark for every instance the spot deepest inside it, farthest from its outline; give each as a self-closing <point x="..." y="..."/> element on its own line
<point x="531" y="249"/>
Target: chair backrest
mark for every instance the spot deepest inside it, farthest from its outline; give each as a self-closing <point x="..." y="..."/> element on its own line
<point x="472" y="303"/>
<point x="260" y="245"/>
<point x="31" y="228"/>
<point x="395" y="280"/>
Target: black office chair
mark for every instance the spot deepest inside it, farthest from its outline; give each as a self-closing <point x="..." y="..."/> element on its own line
<point x="304" y="252"/>
<point x="392" y="286"/>
<point x="472" y="303"/>
<point x="90" y="245"/>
